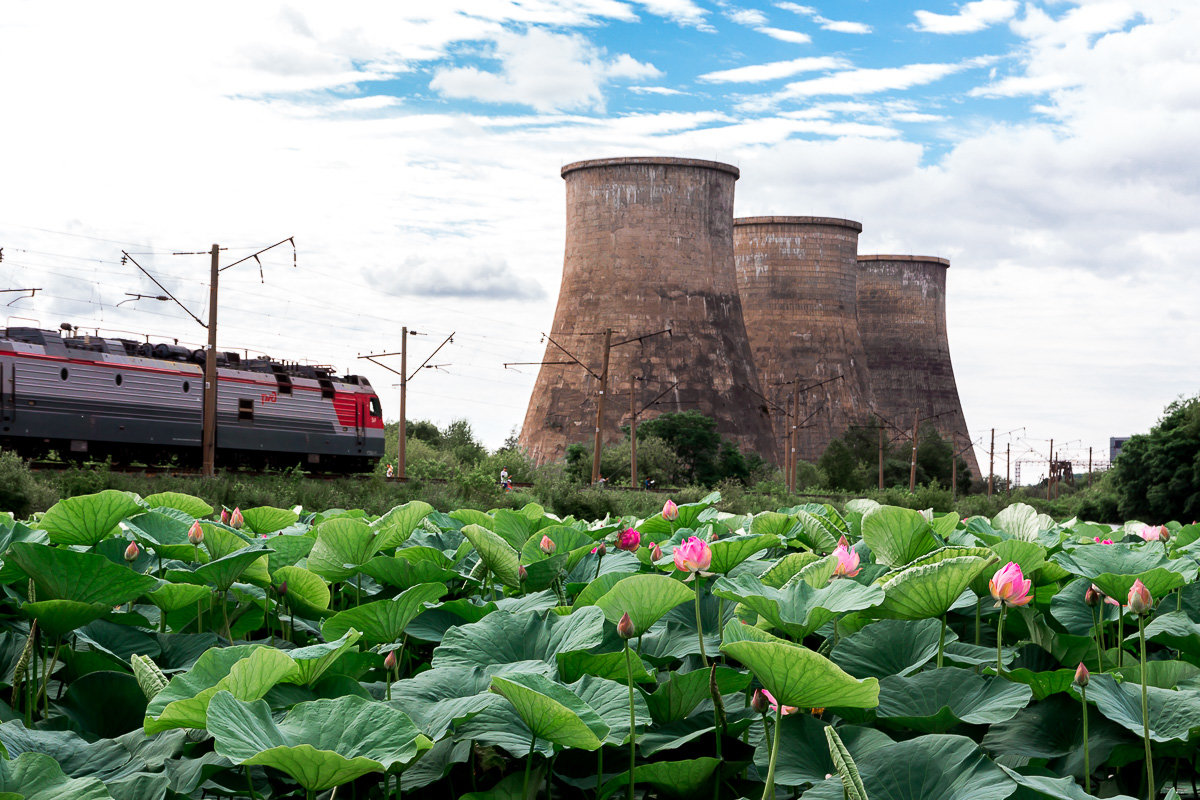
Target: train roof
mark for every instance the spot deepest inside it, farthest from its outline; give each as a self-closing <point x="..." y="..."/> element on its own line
<point x="58" y="345"/>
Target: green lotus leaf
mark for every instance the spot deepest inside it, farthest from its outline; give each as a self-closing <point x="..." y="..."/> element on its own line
<point x="816" y="531"/>
<point x="471" y="516"/>
<point x="513" y="527"/>
<point x="437" y="699"/>
<point x="220" y="541"/>
<point x="676" y="697"/>
<point x="149" y="677"/>
<point x="798" y="609"/>
<point x="804" y="755"/>
<point x="104" y="704"/>
<point x="1174" y="713"/>
<point x="646" y="598"/>
<point x="552" y="711"/>
<point x="499" y="556"/>
<point x="289" y="549"/>
<point x="675" y="778"/>
<point x="384" y="621"/>
<point x="610" y="700"/>
<point x="1044" y="683"/>
<point x="728" y="552"/>
<point x="890" y="647"/>
<point x="189" y="504"/>
<point x="63" y="574"/>
<point x="394" y="527"/>
<point x="1176" y="630"/>
<point x="1068" y="608"/>
<point x="307" y="593"/>
<point x="243" y="564"/>
<point x="931" y="767"/>
<point x="248" y="671"/>
<point x="506" y="638"/>
<point x="1021" y="521"/>
<point x="541" y="572"/>
<point x="1115" y="567"/>
<point x="897" y="536"/>
<point x="267" y="519"/>
<point x="772" y="523"/>
<point x="567" y="540"/>
<point x="574" y="665"/>
<point x="313" y="661"/>
<point x="928" y="590"/>
<point x="1054" y="788"/>
<point x="34" y="776"/>
<point x="87" y="519"/>
<point x="784" y="569"/>
<point x="59" y="617"/>
<point x="598" y="587"/>
<point x="174" y="596"/>
<point x="342" y="546"/>
<point x="937" y="700"/>
<point x="1053" y="730"/>
<point x="164" y="532"/>
<point x="320" y="744"/>
<point x="410" y="566"/>
<point x="795" y="675"/>
<point x="1163" y="674"/>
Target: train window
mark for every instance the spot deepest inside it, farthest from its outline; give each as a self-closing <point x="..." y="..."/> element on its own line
<point x="187" y="387"/>
<point x="63" y="374"/>
<point x="119" y="380"/>
<point x="245" y="410"/>
<point x="376" y="409"/>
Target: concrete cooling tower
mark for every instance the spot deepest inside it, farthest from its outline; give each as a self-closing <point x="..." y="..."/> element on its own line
<point x="902" y="318"/>
<point x="796" y="277"/>
<point x="649" y="247"/>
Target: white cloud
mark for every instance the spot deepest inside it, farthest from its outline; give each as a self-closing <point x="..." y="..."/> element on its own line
<point x="543" y="70"/>
<point x="476" y="276"/>
<point x="869" y="81"/>
<point x="791" y="37"/>
<point x="659" y="90"/>
<point x="682" y="12"/>
<point x="747" y="16"/>
<point x="756" y="73"/>
<point x="972" y="17"/>
<point x="837" y="26"/>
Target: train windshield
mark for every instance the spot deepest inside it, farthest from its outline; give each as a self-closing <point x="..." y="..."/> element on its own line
<point x="376" y="409"/>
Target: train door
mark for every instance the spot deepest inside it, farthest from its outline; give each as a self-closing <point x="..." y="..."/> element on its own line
<point x="8" y="389"/>
<point x="360" y="420"/>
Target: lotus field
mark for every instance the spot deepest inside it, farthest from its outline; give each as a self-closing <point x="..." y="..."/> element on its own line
<point x="156" y="648"/>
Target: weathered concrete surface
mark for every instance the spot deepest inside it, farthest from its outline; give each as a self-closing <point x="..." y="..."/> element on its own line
<point x="796" y="277"/>
<point x="649" y="246"/>
<point x="902" y="319"/>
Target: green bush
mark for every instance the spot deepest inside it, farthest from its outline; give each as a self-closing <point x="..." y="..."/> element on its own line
<point x="20" y="492"/>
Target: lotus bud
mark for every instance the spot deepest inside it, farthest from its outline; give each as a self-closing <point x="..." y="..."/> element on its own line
<point x="600" y="550"/>
<point x="224" y="516"/>
<point x="670" y="511"/>
<point x="758" y="701"/>
<point x="625" y="627"/>
<point x="235" y="519"/>
<point x="131" y="552"/>
<point x="522" y="573"/>
<point x="713" y="536"/>
<point x="655" y="552"/>
<point x="389" y="661"/>
<point x="547" y="545"/>
<point x="195" y="534"/>
<point x="281" y="589"/>
<point x="1093" y="596"/>
<point x="629" y="540"/>
<point x="1140" y="599"/>
<point x="1081" y="674"/>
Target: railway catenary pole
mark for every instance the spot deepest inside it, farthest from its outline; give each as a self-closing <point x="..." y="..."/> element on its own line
<point x="991" y="462"/>
<point x="600" y="404"/>
<point x="632" y="433"/>
<point x="208" y="436"/>
<point x="912" y="467"/>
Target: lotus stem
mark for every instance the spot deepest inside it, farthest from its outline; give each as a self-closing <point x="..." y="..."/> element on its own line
<point x="769" y="788"/>
<point x="225" y="614"/>
<point x="250" y="783"/>
<point x="1087" y="755"/>
<point x="978" y="614"/>
<point x="1151" y="793"/>
<point x="599" y="771"/>
<point x="529" y="765"/>
<point x="1120" y="636"/>
<point x="632" y="717"/>
<point x="699" y="624"/>
<point x="1097" y="615"/>
<point x="941" y="641"/>
<point x="1000" y="642"/>
<point x="46" y="679"/>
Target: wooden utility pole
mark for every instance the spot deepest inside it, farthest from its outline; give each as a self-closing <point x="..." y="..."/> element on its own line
<point x="953" y="469"/>
<point x="1008" y="467"/>
<point x="912" y="467"/>
<point x="991" y="462"/>
<point x="600" y="404"/>
<point x="793" y="456"/>
<point x="633" y="417"/>
<point x="208" y="435"/>
<point x="1089" y="483"/>
<point x="881" y="457"/>
<point x="1050" y="472"/>
<point x="402" y="430"/>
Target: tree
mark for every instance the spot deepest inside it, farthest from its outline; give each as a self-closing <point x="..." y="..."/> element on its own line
<point x="694" y="438"/>
<point x="1157" y="475"/>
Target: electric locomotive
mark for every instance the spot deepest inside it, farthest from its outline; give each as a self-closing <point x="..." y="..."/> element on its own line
<point x="89" y="396"/>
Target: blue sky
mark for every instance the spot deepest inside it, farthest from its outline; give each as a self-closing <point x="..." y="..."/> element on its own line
<point x="1046" y="147"/>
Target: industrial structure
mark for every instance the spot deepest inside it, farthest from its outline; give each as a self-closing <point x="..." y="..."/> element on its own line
<point x="902" y="320"/>
<point x="649" y="298"/>
<point x="796" y="277"/>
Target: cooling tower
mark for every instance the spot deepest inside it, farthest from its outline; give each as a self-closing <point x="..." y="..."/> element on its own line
<point x="902" y="319"/>
<point x="649" y="247"/>
<point x="796" y="277"/>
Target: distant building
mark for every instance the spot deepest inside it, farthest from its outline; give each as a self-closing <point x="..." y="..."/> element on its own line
<point x="1115" y="443"/>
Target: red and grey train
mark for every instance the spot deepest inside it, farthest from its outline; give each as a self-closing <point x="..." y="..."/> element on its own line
<point x="133" y="400"/>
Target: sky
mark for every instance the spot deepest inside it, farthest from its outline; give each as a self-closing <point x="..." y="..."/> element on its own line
<point x="1047" y="148"/>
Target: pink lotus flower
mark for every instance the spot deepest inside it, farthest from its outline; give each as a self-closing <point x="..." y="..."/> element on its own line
<point x="224" y="516"/>
<point x="131" y="552"/>
<point x="1009" y="586"/>
<point x="1140" y="599"/>
<point x="773" y="704"/>
<point x="847" y="560"/>
<point x="1154" y="533"/>
<point x="655" y="552"/>
<point x="694" y="555"/>
<point x="195" y="534"/>
<point x="629" y="540"/>
<point x="1104" y="541"/>
<point x="670" y="511"/>
<point x="235" y="519"/>
<point x="522" y="573"/>
<point x="547" y="545"/>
